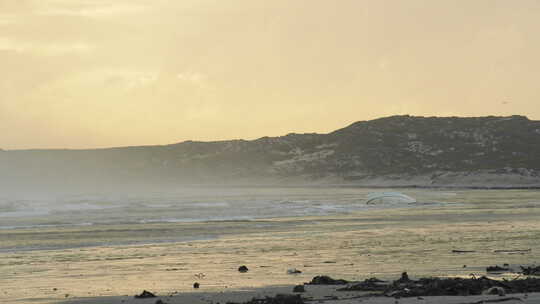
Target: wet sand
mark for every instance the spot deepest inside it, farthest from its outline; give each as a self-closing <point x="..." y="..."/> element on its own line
<point x="375" y="243"/>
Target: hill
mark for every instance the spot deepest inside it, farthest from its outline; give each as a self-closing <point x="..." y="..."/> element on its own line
<point x="392" y="151"/>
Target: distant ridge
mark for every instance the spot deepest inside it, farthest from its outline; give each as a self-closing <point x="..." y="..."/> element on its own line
<point x="392" y="151"/>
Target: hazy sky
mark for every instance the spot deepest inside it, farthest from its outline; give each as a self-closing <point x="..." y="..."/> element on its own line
<point x="97" y="73"/>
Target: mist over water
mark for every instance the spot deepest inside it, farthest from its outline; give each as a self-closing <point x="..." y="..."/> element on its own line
<point x="74" y="218"/>
<point x="138" y="212"/>
<point x="186" y="204"/>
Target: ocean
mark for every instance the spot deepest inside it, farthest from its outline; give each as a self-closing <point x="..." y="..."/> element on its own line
<point x="71" y="212"/>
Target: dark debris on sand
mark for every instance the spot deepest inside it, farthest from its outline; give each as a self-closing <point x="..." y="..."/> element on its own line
<point x="278" y="299"/>
<point x="497" y="268"/>
<point x="534" y="271"/>
<point x="145" y="295"/>
<point x="326" y="280"/>
<point x="299" y="288"/>
<point x="372" y="284"/>
<point x="405" y="287"/>
<point x="243" y="268"/>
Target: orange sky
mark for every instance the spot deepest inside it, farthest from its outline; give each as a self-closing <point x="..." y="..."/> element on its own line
<point x="82" y="74"/>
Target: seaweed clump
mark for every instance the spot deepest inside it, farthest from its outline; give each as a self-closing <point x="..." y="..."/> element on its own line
<point x="405" y="287"/>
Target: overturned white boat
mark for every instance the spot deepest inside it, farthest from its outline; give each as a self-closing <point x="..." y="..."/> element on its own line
<point x="389" y="197"/>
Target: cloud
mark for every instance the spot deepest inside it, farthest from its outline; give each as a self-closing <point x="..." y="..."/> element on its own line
<point x="110" y="79"/>
<point x="384" y="62"/>
<point x="82" y="8"/>
<point x="93" y="11"/>
<point x="130" y="79"/>
<point x="7" y="19"/>
<point x="193" y="78"/>
<point x="47" y="49"/>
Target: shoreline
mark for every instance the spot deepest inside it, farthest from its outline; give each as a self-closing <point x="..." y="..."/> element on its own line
<point x="313" y="294"/>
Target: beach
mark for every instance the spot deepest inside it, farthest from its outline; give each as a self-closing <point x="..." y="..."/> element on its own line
<point x="460" y="234"/>
<point x="269" y="152"/>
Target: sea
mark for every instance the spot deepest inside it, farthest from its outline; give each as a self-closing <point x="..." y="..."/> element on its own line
<point x="67" y="215"/>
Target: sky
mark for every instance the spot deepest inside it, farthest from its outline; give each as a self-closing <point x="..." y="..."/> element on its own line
<point x="102" y="73"/>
